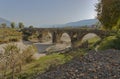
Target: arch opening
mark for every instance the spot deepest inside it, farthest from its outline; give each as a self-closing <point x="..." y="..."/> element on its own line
<point x="91" y="39"/>
<point x="64" y="42"/>
<point x="47" y="37"/>
<point x="65" y="39"/>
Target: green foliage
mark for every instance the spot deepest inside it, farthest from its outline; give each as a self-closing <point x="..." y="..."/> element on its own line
<point x="3" y="25"/>
<point x="92" y="42"/>
<point x="9" y="35"/>
<point x="21" y="25"/>
<point x="77" y="53"/>
<point x="33" y="37"/>
<point x="31" y="26"/>
<point x="29" y="68"/>
<point x="117" y="26"/>
<point x="12" y="60"/>
<point x="108" y="12"/>
<point x="111" y="42"/>
<point x="43" y="64"/>
<point x="12" y="25"/>
<point x="28" y="53"/>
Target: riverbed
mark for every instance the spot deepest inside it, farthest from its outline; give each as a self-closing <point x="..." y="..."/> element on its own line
<point x="41" y="47"/>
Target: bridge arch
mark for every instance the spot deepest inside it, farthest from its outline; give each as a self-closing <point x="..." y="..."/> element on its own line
<point x="90" y="39"/>
<point x="46" y="36"/>
<point x="76" y="35"/>
<point x="84" y="39"/>
<point x="89" y="36"/>
<point x="65" y="39"/>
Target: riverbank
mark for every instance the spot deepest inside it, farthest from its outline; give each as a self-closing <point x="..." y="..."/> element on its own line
<point x="20" y="45"/>
<point x="94" y="65"/>
<point x="43" y="48"/>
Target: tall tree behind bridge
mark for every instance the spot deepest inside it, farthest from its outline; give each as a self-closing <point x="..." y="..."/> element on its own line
<point x="13" y="25"/>
<point x="108" y="13"/>
<point x="3" y="25"/>
<point x="30" y="26"/>
<point x="21" y="25"/>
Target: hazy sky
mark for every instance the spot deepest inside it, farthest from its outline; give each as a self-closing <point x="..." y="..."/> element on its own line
<point x="39" y="12"/>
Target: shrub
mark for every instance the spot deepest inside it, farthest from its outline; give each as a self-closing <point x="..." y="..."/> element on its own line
<point x="11" y="60"/>
<point x="9" y="35"/>
<point x="111" y="42"/>
<point x="28" y="53"/>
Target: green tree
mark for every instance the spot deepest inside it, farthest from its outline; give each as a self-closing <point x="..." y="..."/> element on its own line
<point x="3" y="25"/>
<point x="21" y="25"/>
<point x="108" y="12"/>
<point x="12" y="25"/>
<point x="31" y="26"/>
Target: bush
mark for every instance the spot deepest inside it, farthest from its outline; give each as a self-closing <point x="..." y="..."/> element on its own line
<point x="111" y="42"/>
<point x="11" y="61"/>
<point x="28" y="53"/>
<point x="43" y="64"/>
<point x="9" y="35"/>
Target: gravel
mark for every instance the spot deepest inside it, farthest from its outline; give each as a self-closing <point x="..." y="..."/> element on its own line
<point x="94" y="65"/>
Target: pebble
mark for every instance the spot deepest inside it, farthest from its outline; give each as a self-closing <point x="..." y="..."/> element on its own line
<point x="94" y="65"/>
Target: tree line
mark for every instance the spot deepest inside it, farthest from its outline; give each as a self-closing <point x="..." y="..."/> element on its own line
<point x="13" y="25"/>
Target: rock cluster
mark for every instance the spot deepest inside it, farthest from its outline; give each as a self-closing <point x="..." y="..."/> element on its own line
<point x="95" y="65"/>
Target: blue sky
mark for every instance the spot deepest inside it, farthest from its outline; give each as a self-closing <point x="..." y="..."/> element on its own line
<point x="40" y="12"/>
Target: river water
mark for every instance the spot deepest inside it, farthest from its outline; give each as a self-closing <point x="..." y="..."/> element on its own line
<point x="40" y="46"/>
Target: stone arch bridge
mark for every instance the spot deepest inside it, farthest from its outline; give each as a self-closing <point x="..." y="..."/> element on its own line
<point x="75" y="34"/>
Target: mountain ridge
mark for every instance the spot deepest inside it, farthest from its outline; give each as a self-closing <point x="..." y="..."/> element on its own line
<point x="81" y="23"/>
<point x="2" y="20"/>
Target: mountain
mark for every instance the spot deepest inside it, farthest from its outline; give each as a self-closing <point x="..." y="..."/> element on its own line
<point x="88" y="22"/>
<point x="2" y="20"/>
<point x="81" y="23"/>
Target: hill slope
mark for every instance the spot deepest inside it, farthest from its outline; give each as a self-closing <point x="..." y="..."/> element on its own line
<point x="87" y="22"/>
<point x="2" y="20"/>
